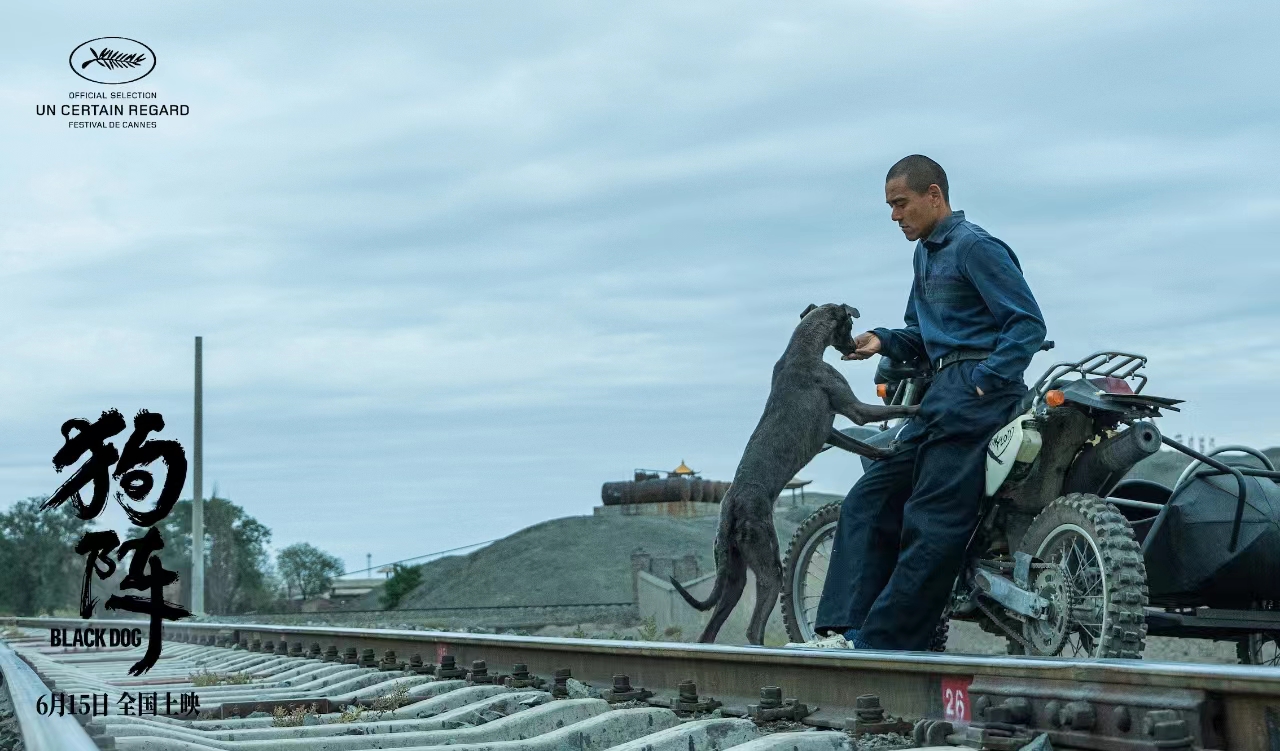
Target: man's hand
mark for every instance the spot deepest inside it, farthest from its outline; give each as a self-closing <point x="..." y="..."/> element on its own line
<point x="865" y="345"/>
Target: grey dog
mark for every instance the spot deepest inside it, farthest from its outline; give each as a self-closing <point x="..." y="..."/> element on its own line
<point x="806" y="395"/>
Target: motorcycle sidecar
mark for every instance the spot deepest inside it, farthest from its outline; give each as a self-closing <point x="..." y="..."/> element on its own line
<point x="1211" y="546"/>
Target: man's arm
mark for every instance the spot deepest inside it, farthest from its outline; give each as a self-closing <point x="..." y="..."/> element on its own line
<point x="991" y="267"/>
<point x="904" y="343"/>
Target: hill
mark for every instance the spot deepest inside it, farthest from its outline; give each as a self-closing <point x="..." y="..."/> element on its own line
<point x="574" y="560"/>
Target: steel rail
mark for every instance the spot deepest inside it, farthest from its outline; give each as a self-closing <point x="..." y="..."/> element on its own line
<point x="1225" y="706"/>
<point x="39" y="733"/>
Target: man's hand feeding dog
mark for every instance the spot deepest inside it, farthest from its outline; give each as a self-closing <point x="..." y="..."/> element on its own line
<point x="804" y="398"/>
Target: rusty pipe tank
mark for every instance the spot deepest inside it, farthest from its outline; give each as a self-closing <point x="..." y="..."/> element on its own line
<point x="663" y="490"/>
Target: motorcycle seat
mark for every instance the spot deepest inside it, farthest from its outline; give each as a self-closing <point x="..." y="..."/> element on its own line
<point x="892" y="371"/>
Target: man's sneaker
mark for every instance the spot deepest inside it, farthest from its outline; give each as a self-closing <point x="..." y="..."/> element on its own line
<point x="834" y="641"/>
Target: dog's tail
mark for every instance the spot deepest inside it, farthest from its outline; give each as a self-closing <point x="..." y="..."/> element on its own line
<point x="723" y="547"/>
<point x="706" y="604"/>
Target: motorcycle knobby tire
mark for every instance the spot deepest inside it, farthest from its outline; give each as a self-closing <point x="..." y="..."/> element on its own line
<point x="1124" y="628"/>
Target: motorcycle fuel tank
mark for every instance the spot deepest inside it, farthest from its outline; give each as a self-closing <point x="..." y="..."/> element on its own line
<point x="1015" y="446"/>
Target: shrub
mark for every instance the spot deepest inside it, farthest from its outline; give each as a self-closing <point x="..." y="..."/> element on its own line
<point x="403" y="580"/>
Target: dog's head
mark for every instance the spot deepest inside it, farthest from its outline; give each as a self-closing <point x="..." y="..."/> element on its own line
<point x="842" y="331"/>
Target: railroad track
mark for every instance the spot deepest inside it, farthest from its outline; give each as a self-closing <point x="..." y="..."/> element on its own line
<point x="346" y="689"/>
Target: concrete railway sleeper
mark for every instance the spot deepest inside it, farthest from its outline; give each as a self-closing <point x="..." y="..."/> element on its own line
<point x="327" y="689"/>
<point x="472" y="713"/>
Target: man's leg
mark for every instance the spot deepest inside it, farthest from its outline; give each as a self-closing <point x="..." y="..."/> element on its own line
<point x="941" y="513"/>
<point x="866" y="542"/>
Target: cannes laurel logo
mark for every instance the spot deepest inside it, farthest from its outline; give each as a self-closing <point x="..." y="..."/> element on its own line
<point x="112" y="60"/>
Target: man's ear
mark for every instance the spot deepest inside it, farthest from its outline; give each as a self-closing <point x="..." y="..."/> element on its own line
<point x="806" y="310"/>
<point x="852" y="311"/>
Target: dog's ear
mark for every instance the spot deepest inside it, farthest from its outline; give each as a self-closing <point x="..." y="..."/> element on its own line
<point x="852" y="311"/>
<point x="806" y="310"/>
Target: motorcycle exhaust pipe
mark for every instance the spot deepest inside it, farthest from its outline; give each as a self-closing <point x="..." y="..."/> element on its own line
<point x="1099" y="468"/>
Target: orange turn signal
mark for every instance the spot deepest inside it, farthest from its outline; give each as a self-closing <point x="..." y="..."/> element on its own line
<point x="882" y="390"/>
<point x="1054" y="398"/>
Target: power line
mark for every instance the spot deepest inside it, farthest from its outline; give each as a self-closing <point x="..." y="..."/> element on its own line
<point x="424" y="555"/>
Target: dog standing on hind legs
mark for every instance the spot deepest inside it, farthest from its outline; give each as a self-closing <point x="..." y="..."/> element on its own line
<point x="805" y="396"/>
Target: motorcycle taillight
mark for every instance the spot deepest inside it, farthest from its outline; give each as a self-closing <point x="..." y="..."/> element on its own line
<point x="1111" y="385"/>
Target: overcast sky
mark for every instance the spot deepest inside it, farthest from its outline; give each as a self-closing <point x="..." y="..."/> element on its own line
<point x="456" y="264"/>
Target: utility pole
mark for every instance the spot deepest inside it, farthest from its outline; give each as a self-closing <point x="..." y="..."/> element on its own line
<point x="197" y="492"/>
<point x="368" y="565"/>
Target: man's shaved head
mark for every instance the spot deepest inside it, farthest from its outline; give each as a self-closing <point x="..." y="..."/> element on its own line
<point x="916" y="190"/>
<point x="920" y="172"/>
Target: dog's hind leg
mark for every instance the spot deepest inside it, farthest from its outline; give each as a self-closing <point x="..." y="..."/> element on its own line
<point x="734" y="577"/>
<point x="762" y="559"/>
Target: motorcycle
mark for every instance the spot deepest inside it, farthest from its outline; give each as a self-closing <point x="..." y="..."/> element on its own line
<point x="1070" y="557"/>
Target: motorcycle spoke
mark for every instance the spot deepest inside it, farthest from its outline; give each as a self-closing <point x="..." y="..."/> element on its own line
<point x="1084" y="575"/>
<point x="1091" y="587"/>
<point x="1072" y="643"/>
<point x="823" y="552"/>
<point x="808" y="578"/>
<point x="1088" y="611"/>
<point x="1081" y="645"/>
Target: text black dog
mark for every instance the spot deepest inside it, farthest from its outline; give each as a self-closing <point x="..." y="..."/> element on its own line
<point x="806" y="395"/>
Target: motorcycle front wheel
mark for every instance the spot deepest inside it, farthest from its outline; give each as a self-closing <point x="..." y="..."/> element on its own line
<point x="805" y="571"/>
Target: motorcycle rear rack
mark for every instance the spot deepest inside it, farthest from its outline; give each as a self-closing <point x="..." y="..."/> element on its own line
<point x="1122" y="365"/>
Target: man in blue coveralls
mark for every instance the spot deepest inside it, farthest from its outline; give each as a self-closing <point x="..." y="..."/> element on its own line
<point x="900" y="541"/>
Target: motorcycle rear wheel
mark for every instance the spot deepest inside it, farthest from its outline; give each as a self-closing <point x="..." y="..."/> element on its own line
<point x="1098" y="588"/>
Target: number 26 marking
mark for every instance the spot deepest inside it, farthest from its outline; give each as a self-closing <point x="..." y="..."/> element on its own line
<point x="955" y="699"/>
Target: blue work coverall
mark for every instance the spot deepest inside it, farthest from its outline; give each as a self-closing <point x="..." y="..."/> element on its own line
<point x="904" y="526"/>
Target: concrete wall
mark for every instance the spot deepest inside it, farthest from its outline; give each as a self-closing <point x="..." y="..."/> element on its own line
<point x="659" y="600"/>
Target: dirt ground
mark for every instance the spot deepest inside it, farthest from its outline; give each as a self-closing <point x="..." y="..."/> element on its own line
<point x="967" y="638"/>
